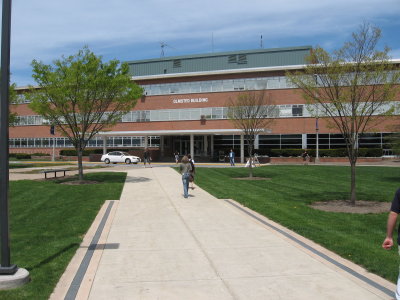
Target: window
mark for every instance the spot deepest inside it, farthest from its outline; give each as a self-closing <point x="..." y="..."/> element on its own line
<point x="297" y="110"/>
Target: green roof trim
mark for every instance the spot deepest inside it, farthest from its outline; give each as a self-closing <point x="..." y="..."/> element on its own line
<point x="220" y="61"/>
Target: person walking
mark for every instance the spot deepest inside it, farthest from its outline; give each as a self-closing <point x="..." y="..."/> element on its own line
<point x="176" y="154"/>
<point x="306" y="157"/>
<point x="185" y="168"/>
<point x="146" y="157"/>
<point x="391" y="223"/>
<point x="232" y="158"/>
<point x="192" y="173"/>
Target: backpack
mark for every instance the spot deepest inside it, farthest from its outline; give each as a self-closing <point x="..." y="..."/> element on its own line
<point x="192" y="164"/>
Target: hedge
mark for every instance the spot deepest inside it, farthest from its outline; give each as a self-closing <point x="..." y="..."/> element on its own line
<point x="341" y="152"/>
<point x="72" y="152"/>
<point x="20" y="155"/>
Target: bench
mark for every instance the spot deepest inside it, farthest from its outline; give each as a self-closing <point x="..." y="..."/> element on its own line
<point x="55" y="171"/>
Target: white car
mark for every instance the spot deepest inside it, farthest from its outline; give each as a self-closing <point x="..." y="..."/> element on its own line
<point x="119" y="157"/>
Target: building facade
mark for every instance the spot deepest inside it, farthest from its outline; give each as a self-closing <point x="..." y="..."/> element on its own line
<point x="184" y="109"/>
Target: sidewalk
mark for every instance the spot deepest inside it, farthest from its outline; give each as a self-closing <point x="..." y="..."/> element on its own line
<point x="155" y="244"/>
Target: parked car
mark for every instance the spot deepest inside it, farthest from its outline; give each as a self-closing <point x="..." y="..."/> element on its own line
<point x="119" y="157"/>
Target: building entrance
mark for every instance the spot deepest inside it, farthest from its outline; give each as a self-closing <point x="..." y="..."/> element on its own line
<point x="182" y="145"/>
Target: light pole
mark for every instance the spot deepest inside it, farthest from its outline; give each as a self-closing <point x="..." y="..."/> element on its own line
<point x="6" y="268"/>
<point x="316" y="124"/>
<point x="317" y="139"/>
<point x="52" y="132"/>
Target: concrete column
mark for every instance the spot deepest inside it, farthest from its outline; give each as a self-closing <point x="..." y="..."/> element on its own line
<point x="242" y="148"/>
<point x="146" y="143"/>
<point x="192" y="145"/>
<point x="205" y="146"/>
<point x="212" y="146"/>
<point x="304" y="141"/>
<point x="104" y="144"/>
<point x="162" y="145"/>
<point x="256" y="142"/>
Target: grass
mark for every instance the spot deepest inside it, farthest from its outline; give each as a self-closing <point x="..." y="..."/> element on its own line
<point x="285" y="199"/>
<point x="47" y="223"/>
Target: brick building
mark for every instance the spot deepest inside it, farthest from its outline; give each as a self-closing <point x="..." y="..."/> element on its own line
<point x="184" y="109"/>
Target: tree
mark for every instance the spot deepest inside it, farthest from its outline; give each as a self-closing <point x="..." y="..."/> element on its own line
<point x="81" y="95"/>
<point x="252" y="112"/>
<point x="353" y="88"/>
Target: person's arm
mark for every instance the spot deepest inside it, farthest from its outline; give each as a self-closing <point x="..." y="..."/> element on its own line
<point x="391" y="223"/>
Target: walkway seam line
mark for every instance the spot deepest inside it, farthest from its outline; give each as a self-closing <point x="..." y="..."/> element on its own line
<point x="77" y="281"/>
<point x="315" y="251"/>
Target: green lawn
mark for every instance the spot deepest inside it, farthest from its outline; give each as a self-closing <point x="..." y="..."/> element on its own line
<point x="285" y="199"/>
<point x="48" y="221"/>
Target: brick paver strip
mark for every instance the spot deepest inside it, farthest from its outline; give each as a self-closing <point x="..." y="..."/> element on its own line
<point x="76" y="283"/>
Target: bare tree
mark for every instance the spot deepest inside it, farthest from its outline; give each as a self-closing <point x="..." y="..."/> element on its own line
<point x="353" y="88"/>
<point x="252" y="112"/>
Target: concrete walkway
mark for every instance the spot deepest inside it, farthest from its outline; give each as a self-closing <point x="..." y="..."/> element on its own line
<point x="155" y="244"/>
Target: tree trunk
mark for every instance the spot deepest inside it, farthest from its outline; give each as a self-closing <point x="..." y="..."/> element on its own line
<point x="353" y="196"/>
<point x="80" y="165"/>
<point x="251" y="166"/>
<point x="250" y="158"/>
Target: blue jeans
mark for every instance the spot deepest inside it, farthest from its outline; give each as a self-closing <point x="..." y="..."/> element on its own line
<point x="232" y="160"/>
<point x="398" y="282"/>
<point x="185" y="181"/>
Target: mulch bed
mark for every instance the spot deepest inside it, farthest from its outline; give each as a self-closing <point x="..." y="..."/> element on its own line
<point x="77" y="182"/>
<point x="252" y="178"/>
<point x="361" y="207"/>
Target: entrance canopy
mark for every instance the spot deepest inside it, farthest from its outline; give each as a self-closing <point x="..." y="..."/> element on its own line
<point x="172" y="132"/>
<point x="188" y="132"/>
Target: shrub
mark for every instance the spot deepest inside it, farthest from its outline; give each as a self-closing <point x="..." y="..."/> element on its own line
<point x="20" y="155"/>
<point x="87" y="152"/>
<point x="40" y="154"/>
<point x="341" y="152"/>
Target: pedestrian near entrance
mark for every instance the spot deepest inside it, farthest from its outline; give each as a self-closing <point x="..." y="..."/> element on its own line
<point x="232" y="158"/>
<point x="176" y="154"/>
<point x="146" y="157"/>
<point x="185" y="169"/>
<point x="391" y="223"/>
<point x="306" y="157"/>
<point x="192" y="173"/>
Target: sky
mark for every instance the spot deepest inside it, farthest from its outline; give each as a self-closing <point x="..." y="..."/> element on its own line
<point x="127" y="30"/>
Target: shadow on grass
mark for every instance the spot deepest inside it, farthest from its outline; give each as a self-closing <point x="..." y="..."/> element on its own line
<point x="54" y="256"/>
<point x="100" y="177"/>
<point x="391" y="179"/>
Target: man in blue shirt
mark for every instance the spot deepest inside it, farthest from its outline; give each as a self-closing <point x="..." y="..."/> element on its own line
<point x="232" y="157"/>
<point x="391" y="223"/>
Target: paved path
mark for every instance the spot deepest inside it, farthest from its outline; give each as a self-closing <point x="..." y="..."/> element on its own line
<point x="155" y="244"/>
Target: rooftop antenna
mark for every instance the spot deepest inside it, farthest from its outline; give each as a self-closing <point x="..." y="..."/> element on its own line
<point x="261" y="43"/>
<point x="163" y="45"/>
<point x="212" y="42"/>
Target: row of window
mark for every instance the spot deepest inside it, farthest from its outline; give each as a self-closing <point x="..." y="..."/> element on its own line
<point x="227" y="85"/>
<point x="298" y="141"/>
<point x="96" y="142"/>
<point x="276" y="141"/>
<point x="209" y="113"/>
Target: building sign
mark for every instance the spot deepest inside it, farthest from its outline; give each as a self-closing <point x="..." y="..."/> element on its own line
<point x="191" y="100"/>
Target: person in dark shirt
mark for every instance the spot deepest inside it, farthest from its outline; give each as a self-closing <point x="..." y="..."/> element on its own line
<point x="147" y="158"/>
<point x="391" y="223"/>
